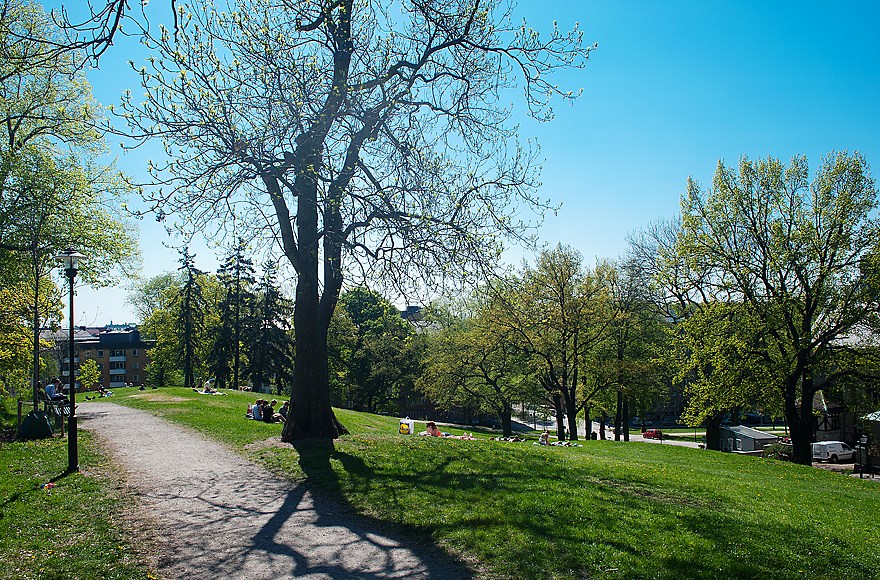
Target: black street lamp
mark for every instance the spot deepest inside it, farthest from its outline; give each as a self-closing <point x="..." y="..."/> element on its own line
<point x="70" y="259"/>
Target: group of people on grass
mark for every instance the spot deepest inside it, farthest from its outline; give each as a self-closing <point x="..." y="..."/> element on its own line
<point x="431" y="430"/>
<point x="263" y="410"/>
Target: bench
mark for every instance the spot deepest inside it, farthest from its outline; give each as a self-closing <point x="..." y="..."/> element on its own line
<point x="58" y="409"/>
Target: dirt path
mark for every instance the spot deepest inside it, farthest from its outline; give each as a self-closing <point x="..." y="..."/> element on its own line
<point x="220" y="516"/>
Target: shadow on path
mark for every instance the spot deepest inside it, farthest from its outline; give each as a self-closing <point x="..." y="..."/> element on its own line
<point x="221" y="516"/>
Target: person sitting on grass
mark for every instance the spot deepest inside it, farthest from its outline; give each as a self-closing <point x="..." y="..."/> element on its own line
<point x="255" y="410"/>
<point x="268" y="411"/>
<point x="282" y="413"/>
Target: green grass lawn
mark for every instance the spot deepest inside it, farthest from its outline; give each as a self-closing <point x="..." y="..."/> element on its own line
<point x="71" y="530"/>
<point x="605" y="509"/>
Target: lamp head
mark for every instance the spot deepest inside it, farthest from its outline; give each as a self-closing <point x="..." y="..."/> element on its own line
<point x="69" y="259"/>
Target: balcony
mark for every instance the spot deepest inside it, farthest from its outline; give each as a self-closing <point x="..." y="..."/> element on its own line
<point x="116" y="384"/>
<point x="117" y="372"/>
<point x="117" y="358"/>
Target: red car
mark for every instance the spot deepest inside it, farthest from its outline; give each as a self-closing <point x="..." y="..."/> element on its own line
<point x="653" y="434"/>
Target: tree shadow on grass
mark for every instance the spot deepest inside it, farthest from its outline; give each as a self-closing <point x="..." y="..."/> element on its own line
<point x="631" y="529"/>
<point x="385" y="550"/>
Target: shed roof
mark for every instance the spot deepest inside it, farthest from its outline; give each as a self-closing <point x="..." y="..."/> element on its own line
<point x="748" y="432"/>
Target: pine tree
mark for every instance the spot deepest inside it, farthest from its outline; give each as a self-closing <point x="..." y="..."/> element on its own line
<point x="237" y="275"/>
<point x="269" y="342"/>
<point x="191" y="307"/>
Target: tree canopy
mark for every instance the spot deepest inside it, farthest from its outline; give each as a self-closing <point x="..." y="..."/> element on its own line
<point x="366" y="139"/>
<point x="797" y="255"/>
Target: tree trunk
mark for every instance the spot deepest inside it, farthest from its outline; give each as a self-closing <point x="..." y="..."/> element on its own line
<point x="572" y="424"/>
<point x="588" y="424"/>
<point x="506" y="422"/>
<point x="36" y="373"/>
<point x="617" y="416"/>
<point x="312" y="416"/>
<point x="625" y="418"/>
<point x="801" y="423"/>
<point x="713" y="432"/>
<point x="560" y="416"/>
<point x="602" y="427"/>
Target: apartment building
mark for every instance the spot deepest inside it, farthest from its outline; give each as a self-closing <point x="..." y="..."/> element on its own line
<point x="120" y="352"/>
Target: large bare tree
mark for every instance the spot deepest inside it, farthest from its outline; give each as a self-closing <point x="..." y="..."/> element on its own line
<point x="367" y="139"/>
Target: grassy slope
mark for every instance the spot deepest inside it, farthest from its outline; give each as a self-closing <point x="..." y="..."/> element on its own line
<point x="610" y="509"/>
<point x="69" y="531"/>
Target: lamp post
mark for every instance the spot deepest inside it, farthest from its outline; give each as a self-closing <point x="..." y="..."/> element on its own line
<point x="70" y="259"/>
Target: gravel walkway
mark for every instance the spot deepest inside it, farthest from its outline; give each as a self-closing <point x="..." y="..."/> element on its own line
<point x="221" y="516"/>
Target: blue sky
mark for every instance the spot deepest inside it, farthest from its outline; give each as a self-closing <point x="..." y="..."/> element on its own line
<point x="674" y="87"/>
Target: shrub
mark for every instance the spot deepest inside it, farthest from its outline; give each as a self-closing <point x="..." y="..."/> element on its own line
<point x="779" y="451"/>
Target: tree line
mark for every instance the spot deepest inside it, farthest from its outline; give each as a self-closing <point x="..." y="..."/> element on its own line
<point x="370" y="147"/>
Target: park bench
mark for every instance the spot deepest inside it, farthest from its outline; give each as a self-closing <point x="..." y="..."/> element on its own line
<point x="57" y="409"/>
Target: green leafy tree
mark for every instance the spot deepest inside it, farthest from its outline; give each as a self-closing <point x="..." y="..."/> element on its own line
<point x="364" y="139"/>
<point x="792" y="251"/>
<point x="54" y="193"/>
<point x="627" y="361"/>
<point x="679" y="288"/>
<point x="472" y="361"/>
<point x="716" y="355"/>
<point x="153" y="299"/>
<point x="222" y="339"/>
<point x="559" y="313"/>
<point x="385" y="358"/>
<point x="150" y="295"/>
<point x="237" y="275"/>
<point x="89" y="374"/>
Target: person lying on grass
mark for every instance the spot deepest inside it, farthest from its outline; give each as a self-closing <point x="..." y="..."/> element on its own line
<point x="431" y="430"/>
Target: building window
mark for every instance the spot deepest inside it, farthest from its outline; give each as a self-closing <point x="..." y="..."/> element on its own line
<point x="134" y="352"/>
<point x="100" y="353"/>
<point x="117" y="353"/>
<point x="134" y="365"/>
<point x="117" y="365"/>
<point x="134" y="378"/>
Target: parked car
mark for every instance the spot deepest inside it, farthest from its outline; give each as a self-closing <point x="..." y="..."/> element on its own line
<point x="832" y="451"/>
<point x="653" y="434"/>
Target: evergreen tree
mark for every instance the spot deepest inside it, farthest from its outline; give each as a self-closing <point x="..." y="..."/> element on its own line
<point x="223" y="337"/>
<point x="237" y="275"/>
<point x="191" y="307"/>
<point x="269" y="345"/>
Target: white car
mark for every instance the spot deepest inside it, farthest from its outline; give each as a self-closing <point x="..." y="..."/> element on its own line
<point x="832" y="451"/>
